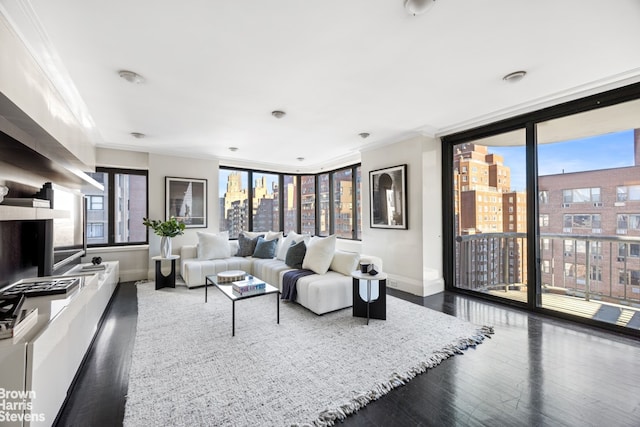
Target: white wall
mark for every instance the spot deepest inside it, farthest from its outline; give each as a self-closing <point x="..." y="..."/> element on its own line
<point x="432" y="243"/>
<point x="110" y="158"/>
<point x="412" y="258"/>
<point x="161" y="166"/>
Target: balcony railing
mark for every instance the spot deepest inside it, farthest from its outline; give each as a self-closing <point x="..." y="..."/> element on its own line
<point x="603" y="268"/>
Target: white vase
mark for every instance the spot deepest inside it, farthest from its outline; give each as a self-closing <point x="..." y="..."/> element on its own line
<point x="165" y="247"/>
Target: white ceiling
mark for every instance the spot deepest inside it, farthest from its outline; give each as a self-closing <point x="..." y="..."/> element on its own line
<point x="214" y="70"/>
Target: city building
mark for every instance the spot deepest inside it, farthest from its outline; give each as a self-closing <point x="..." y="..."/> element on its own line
<point x="583" y="216"/>
<point x="233" y="216"/>
<point x="485" y="204"/>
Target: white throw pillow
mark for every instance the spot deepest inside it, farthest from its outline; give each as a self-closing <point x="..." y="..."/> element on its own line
<point x="253" y="234"/>
<point x="286" y="243"/>
<point x="345" y="262"/>
<point x="272" y="235"/>
<point x="213" y="246"/>
<point x="319" y="254"/>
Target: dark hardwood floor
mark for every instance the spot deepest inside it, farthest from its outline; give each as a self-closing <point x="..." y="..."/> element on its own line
<point x="98" y="395"/>
<point x="535" y="371"/>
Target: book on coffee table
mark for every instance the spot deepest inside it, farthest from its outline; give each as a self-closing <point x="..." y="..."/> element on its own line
<point x="242" y="287"/>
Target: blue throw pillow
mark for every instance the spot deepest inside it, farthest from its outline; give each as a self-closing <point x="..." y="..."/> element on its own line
<point x="246" y="245"/>
<point x="265" y="248"/>
<point x="295" y="254"/>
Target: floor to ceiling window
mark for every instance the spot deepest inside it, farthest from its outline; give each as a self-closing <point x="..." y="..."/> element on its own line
<point x="589" y="186"/>
<point x="490" y="211"/>
<point x="566" y="178"/>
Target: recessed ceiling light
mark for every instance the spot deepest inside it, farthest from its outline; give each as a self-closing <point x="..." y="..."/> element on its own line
<point x="300" y="159"/>
<point x="416" y="7"/>
<point x="514" y="77"/>
<point x="130" y="76"/>
<point x="138" y="135"/>
<point x="233" y="149"/>
<point x="364" y="135"/>
<point x="278" y="114"/>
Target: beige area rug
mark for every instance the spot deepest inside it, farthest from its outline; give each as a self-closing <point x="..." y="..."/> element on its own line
<point x="187" y="369"/>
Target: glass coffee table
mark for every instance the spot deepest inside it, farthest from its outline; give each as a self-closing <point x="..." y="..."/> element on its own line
<point x="227" y="290"/>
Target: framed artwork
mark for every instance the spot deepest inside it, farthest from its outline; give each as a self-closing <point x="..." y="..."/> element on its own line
<point x="186" y="199"/>
<point x="388" y="197"/>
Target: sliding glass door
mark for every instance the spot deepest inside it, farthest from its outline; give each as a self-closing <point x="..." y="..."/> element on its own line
<point x="490" y="211"/>
<point x="589" y="205"/>
<point x="544" y="210"/>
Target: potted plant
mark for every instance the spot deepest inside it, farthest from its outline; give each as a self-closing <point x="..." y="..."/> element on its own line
<point x="165" y="229"/>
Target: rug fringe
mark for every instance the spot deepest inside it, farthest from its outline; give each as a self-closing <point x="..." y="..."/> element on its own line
<point x="328" y="417"/>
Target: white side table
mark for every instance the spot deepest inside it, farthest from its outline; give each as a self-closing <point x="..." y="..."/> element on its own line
<point x="168" y="281"/>
<point x="374" y="304"/>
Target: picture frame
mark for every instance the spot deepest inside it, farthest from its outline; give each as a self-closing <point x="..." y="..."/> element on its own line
<point x="388" y="197"/>
<point x="186" y="199"/>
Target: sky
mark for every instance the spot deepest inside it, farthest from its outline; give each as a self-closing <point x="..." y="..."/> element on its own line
<point x="607" y="151"/>
<point x="224" y="173"/>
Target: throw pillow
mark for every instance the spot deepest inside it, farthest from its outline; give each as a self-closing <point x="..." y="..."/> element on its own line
<point x="295" y="254"/>
<point x="345" y="262"/>
<point x="252" y="234"/>
<point x="246" y="245"/>
<point x="319" y="254"/>
<point x="271" y="235"/>
<point x="213" y="246"/>
<point x="292" y="237"/>
<point x="265" y="248"/>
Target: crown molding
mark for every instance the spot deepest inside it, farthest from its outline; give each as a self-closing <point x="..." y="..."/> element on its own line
<point x="592" y="88"/>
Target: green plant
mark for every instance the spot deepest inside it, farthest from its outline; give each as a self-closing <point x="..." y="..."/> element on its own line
<point x="170" y="228"/>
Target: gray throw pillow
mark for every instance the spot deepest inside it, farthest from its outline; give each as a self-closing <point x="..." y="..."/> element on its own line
<point x="295" y="254"/>
<point x="246" y="245"/>
<point x="265" y="248"/>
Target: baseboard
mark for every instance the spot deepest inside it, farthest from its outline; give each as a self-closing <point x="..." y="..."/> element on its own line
<point x="132" y="275"/>
<point x="421" y="288"/>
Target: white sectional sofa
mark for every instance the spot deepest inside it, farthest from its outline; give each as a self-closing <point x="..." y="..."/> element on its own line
<point x="320" y="293"/>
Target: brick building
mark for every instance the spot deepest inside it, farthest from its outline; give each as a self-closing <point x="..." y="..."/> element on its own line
<point x="584" y="219"/>
<point x="485" y="204"/>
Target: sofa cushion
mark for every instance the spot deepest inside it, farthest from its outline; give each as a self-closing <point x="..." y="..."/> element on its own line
<point x="269" y="270"/>
<point x="213" y="245"/>
<point x="265" y="248"/>
<point x="295" y="254"/>
<point x="345" y="262"/>
<point x="246" y="245"/>
<point x="319" y="254"/>
<point x="194" y="271"/>
<point x="324" y="293"/>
